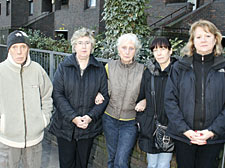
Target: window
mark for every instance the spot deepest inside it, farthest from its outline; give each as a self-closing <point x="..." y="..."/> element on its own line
<point x="31" y="7"/>
<point x="65" y="2"/>
<point x="7" y="7"/>
<point x="90" y="3"/>
<point x="61" y="34"/>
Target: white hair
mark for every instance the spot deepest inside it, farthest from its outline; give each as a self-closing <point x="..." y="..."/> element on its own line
<point x="130" y="37"/>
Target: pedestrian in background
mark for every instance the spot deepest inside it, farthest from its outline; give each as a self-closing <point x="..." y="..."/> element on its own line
<point x="25" y="105"/>
<point x="195" y="99"/>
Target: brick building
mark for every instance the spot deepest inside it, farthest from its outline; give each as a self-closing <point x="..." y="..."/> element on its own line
<point x="174" y="17"/>
<point x="52" y="17"/>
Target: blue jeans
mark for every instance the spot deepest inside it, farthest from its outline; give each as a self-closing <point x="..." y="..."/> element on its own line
<point x="160" y="160"/>
<point x="120" y="140"/>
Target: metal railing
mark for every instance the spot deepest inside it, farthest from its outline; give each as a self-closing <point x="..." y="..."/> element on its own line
<point x="49" y="60"/>
<point x="44" y="14"/>
<point x="171" y="15"/>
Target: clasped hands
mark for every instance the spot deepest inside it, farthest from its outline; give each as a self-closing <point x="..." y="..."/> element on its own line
<point x="82" y="122"/>
<point x="199" y="137"/>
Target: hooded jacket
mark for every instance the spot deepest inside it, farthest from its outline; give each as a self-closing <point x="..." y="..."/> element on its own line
<point x="180" y="100"/>
<point x="25" y="103"/>
<point x="74" y="95"/>
<point x="146" y="118"/>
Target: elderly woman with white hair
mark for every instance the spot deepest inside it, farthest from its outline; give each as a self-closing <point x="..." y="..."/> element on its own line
<point x="77" y="119"/>
<point x="124" y="79"/>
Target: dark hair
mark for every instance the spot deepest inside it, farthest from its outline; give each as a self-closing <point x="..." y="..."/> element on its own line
<point x="160" y="42"/>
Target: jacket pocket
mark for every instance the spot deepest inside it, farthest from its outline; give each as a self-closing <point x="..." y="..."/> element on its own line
<point x="146" y="124"/>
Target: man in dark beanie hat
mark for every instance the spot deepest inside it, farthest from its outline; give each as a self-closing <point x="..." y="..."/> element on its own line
<point x="17" y="37"/>
<point x="25" y="105"/>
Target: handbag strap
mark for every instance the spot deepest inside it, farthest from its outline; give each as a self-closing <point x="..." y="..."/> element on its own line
<point x="153" y="94"/>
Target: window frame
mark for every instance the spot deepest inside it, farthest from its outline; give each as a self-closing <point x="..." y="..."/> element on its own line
<point x="31" y="7"/>
<point x="7" y="7"/>
<point x="91" y="4"/>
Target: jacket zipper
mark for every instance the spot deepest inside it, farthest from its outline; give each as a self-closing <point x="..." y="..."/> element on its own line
<point x="76" y="132"/>
<point x="203" y="92"/>
<point x="125" y="90"/>
<point x="24" y="113"/>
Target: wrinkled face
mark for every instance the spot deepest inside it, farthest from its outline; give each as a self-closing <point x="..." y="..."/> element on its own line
<point x="126" y="51"/>
<point x="162" y="55"/>
<point x="204" y="41"/>
<point x="19" y="52"/>
<point x="83" y="48"/>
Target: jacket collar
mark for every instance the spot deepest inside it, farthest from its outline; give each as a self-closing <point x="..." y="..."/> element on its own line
<point x="154" y="66"/>
<point x="127" y="65"/>
<point x="219" y="62"/>
<point x="72" y="61"/>
<point x="199" y="58"/>
<point x="187" y="62"/>
<point x="16" y="66"/>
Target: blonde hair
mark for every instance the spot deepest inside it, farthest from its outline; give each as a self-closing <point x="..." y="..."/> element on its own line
<point x="208" y="27"/>
<point x="83" y="32"/>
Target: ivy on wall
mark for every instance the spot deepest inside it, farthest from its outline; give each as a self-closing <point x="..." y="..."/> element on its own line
<point x="122" y="17"/>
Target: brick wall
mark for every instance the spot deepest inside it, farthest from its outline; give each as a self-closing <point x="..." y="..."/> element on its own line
<point x="99" y="154"/>
<point x="45" y="25"/>
<point x="4" y="20"/>
<point x="214" y="12"/>
<point x="98" y="157"/>
<point x="19" y="12"/>
<point x="76" y="15"/>
<point x="161" y="9"/>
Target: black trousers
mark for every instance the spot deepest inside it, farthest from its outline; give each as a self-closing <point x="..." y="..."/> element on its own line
<point x="74" y="154"/>
<point x="197" y="156"/>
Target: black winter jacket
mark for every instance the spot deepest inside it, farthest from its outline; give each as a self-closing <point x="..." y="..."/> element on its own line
<point x="146" y="119"/>
<point x="180" y="100"/>
<point x="74" y="95"/>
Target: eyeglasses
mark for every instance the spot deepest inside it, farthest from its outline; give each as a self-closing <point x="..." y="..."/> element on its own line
<point x="81" y="43"/>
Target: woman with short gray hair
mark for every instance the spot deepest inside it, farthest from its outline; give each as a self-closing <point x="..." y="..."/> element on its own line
<point x="124" y="79"/>
<point x="77" y="119"/>
<point x="83" y="32"/>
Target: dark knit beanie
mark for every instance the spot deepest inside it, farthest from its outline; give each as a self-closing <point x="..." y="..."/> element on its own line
<point x="17" y="37"/>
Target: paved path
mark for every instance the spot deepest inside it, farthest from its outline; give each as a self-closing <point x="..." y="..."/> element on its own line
<point x="49" y="155"/>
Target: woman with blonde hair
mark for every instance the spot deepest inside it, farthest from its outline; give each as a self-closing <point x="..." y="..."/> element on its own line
<point x="195" y="99"/>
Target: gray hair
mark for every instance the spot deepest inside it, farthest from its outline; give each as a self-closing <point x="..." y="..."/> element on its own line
<point x="83" y="32"/>
<point x="129" y="37"/>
